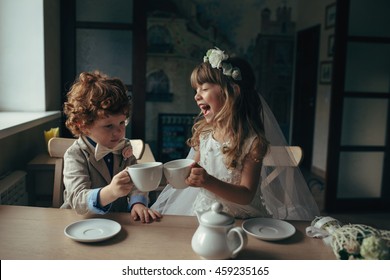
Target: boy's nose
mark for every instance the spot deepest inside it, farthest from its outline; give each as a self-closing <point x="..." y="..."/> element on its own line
<point x="118" y="130"/>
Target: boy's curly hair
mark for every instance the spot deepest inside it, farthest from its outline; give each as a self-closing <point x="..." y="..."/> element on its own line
<point x="94" y="96"/>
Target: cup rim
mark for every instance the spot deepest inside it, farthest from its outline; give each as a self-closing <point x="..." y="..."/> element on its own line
<point x="166" y="165"/>
<point x="146" y="165"/>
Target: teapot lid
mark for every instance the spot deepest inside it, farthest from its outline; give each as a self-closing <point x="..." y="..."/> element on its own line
<point x="216" y="217"/>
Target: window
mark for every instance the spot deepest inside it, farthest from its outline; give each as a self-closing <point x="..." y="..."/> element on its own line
<point x="22" y="79"/>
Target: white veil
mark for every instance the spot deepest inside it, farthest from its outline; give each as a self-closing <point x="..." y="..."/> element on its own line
<point x="286" y="197"/>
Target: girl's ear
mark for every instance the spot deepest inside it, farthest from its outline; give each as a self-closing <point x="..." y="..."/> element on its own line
<point x="236" y="88"/>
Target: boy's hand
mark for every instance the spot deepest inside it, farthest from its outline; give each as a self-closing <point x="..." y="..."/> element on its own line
<point x="121" y="184"/>
<point x="145" y="214"/>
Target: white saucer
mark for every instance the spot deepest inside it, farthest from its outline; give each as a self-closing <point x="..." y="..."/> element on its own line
<point x="92" y="230"/>
<point x="268" y="228"/>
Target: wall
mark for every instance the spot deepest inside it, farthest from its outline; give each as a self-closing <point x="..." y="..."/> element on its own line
<point x="183" y="99"/>
<point x="186" y="51"/>
<point x="311" y="13"/>
<point x="198" y="25"/>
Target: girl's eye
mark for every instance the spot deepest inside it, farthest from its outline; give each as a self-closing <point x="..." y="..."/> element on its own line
<point x="108" y="126"/>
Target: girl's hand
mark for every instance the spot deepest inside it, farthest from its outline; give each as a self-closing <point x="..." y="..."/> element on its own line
<point x="198" y="176"/>
<point x="121" y="184"/>
<point x="143" y="213"/>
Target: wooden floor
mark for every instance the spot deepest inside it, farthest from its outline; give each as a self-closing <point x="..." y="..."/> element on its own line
<point x="378" y="220"/>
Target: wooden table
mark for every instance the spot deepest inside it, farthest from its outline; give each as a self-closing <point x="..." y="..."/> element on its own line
<point x="38" y="233"/>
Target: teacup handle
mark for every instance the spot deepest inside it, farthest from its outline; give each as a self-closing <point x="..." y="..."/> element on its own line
<point x="243" y="239"/>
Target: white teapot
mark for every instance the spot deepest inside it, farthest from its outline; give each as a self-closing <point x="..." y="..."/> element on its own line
<point x="216" y="237"/>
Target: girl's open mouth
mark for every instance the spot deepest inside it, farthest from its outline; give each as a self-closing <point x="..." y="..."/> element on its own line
<point x="205" y="109"/>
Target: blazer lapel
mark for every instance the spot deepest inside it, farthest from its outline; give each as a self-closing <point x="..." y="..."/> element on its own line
<point x="100" y="165"/>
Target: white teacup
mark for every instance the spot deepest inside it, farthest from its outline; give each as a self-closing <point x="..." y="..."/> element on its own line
<point x="176" y="171"/>
<point x="146" y="176"/>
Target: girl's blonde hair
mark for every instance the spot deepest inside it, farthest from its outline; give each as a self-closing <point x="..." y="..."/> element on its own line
<point x="94" y="96"/>
<point x="240" y="117"/>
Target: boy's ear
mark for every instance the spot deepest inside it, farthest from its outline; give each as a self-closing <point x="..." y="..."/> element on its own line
<point x="83" y="128"/>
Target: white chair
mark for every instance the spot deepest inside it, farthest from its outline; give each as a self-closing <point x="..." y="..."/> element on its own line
<point x="57" y="147"/>
<point x="295" y="156"/>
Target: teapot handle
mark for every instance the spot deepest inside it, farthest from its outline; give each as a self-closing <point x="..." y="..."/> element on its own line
<point x="243" y="239"/>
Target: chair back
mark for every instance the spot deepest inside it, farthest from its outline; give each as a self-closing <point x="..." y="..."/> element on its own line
<point x="57" y="147"/>
<point x="295" y="153"/>
<point x="277" y="158"/>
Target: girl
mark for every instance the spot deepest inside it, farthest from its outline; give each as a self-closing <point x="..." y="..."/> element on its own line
<point x="229" y="143"/>
<point x="98" y="110"/>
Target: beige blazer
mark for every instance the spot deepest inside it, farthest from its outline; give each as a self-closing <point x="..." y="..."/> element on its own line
<point x="82" y="173"/>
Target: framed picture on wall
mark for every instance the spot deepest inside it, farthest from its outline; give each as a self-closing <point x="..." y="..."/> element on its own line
<point x="325" y="72"/>
<point x="330" y="45"/>
<point x="330" y="16"/>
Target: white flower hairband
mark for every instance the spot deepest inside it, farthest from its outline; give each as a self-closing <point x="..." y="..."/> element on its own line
<point x="216" y="57"/>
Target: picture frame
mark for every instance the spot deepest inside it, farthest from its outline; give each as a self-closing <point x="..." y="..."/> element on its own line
<point x="330" y="16"/>
<point x="331" y="45"/>
<point x="325" y="72"/>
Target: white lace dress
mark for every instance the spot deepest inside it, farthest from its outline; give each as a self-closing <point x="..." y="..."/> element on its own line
<point x="173" y="201"/>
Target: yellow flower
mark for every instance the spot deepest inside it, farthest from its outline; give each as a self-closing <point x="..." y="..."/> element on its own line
<point x="53" y="132"/>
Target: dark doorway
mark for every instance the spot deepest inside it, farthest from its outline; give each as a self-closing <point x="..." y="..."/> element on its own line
<point x="306" y="69"/>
